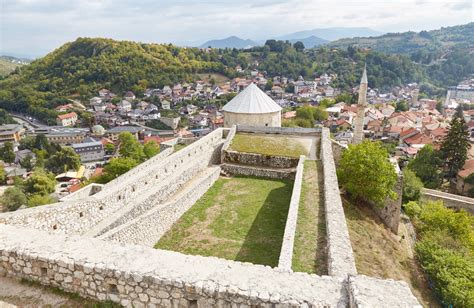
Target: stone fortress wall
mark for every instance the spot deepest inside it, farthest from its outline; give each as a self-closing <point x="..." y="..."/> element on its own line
<point x="140" y="206"/>
<point x="286" y="253"/>
<point x="450" y="200"/>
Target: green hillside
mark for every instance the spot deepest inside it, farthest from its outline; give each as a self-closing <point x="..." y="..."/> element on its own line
<point x="8" y="64"/>
<point x="79" y="69"/>
<point x="447" y="53"/>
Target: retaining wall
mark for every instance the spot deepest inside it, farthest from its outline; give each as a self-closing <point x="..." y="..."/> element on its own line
<point x="449" y="200"/>
<point x="272" y="173"/>
<point x="340" y="255"/>
<point x="148" y="228"/>
<point x="390" y="213"/>
<point x="259" y="160"/>
<point x="286" y="253"/>
<point x="141" y="276"/>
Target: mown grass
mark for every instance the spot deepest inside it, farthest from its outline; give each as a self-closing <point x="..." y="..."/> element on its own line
<point x="240" y="218"/>
<point x="267" y="145"/>
<point x="309" y="252"/>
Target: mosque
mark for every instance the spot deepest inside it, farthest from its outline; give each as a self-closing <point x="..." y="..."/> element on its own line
<point x="252" y="107"/>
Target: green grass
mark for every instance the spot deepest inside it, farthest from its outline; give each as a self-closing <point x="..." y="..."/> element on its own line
<point x="179" y="146"/>
<point x="309" y="252"/>
<point x="268" y="145"/>
<point x="240" y="218"/>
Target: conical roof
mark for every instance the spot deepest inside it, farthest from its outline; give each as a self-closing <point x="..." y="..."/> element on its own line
<point x="252" y="100"/>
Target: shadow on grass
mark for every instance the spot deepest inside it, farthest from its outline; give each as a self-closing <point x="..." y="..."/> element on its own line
<point x="263" y="241"/>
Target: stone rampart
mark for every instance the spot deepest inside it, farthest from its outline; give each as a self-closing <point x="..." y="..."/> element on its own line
<point x="84" y="215"/>
<point x="372" y="292"/>
<point x="390" y="213"/>
<point x="272" y="173"/>
<point x="84" y="192"/>
<point x="340" y="256"/>
<point x="148" y="228"/>
<point x="286" y="252"/>
<point x="230" y="136"/>
<point x="259" y="160"/>
<point x="449" y="200"/>
<point x="139" y="276"/>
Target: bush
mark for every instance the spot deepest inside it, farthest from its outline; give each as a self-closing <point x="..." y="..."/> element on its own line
<point x="13" y="198"/>
<point x="412" y="209"/>
<point x="446" y="250"/>
<point x="365" y="172"/>
<point x="412" y="186"/>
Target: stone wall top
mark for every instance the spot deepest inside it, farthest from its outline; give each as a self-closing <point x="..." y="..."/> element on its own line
<point x="286" y="253"/>
<point x="449" y="200"/>
<point x="104" y="262"/>
<point x="340" y="256"/>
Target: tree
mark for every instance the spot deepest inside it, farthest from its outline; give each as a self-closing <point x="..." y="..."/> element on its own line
<point x="365" y="172"/>
<point x="41" y="142"/>
<point x="63" y="160"/>
<point x="455" y="146"/>
<point x="319" y="113"/>
<point x="116" y="167"/>
<point x="426" y="167"/>
<point x="40" y="182"/>
<point x="299" y="46"/>
<point x="27" y="162"/>
<point x="401" y="106"/>
<point x="13" y="198"/>
<point x="39" y="199"/>
<point x="130" y="147"/>
<point x="6" y="152"/>
<point x="412" y="186"/>
<point x="109" y="148"/>
<point x="3" y="174"/>
<point x="151" y="148"/>
<point x="305" y="112"/>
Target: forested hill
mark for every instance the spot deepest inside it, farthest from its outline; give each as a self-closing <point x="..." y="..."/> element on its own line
<point x="415" y="43"/>
<point x="447" y="52"/>
<point x="80" y="68"/>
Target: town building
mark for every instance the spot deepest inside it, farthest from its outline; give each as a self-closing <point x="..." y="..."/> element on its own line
<point x="63" y="135"/>
<point x="252" y="107"/>
<point x="11" y="133"/>
<point x="114" y="133"/>
<point x="68" y="119"/>
<point x="91" y="150"/>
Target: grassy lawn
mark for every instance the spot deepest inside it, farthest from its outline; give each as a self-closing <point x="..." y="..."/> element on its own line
<point x="267" y="145"/>
<point x="238" y="218"/>
<point x="309" y="252"/>
<point x="179" y="146"/>
<point x="380" y="253"/>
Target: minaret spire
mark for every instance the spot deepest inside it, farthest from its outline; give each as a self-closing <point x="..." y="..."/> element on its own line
<point x="362" y="102"/>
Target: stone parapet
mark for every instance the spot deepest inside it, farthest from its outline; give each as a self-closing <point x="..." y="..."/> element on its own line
<point x="286" y="252"/>
<point x="340" y="255"/>
<point x="260" y="160"/>
<point x="449" y="200"/>
<point x="139" y="276"/>
<point x="272" y="173"/>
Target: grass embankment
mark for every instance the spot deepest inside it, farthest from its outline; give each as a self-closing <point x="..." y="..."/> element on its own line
<point x="240" y="219"/>
<point x="380" y="253"/>
<point x="267" y="145"/>
<point x="309" y="252"/>
<point x="179" y="146"/>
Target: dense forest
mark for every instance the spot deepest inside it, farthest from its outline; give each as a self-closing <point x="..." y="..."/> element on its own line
<point x="80" y="68"/>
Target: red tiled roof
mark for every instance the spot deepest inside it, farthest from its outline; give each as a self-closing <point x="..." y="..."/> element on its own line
<point x="419" y="139"/>
<point x="467" y="169"/>
<point x="407" y="132"/>
<point x="67" y="115"/>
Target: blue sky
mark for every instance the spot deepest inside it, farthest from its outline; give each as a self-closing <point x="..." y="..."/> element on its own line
<point x="35" y="27"/>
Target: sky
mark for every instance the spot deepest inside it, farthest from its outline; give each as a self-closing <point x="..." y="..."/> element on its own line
<point x="35" y="27"/>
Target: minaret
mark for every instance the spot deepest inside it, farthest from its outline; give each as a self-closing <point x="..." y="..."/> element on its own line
<point x="362" y="102"/>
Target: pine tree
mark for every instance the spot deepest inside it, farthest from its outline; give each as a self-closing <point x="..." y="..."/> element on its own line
<point x="455" y="145"/>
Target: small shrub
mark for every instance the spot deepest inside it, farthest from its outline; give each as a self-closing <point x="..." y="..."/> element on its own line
<point x="412" y="209"/>
<point x="412" y="186"/>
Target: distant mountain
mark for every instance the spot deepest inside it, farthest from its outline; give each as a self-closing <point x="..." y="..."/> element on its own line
<point x="9" y="63"/>
<point x="230" y="42"/>
<point x="331" y="34"/>
<point x="309" y="42"/>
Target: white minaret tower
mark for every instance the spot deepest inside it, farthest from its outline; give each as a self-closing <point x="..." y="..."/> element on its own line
<point x="362" y="102"/>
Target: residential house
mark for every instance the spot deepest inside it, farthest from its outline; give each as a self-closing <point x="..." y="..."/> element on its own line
<point x="129" y="96"/>
<point x="124" y="105"/>
<point x="11" y="132"/>
<point x="465" y="180"/>
<point x="90" y="150"/>
<point x="68" y="119"/>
